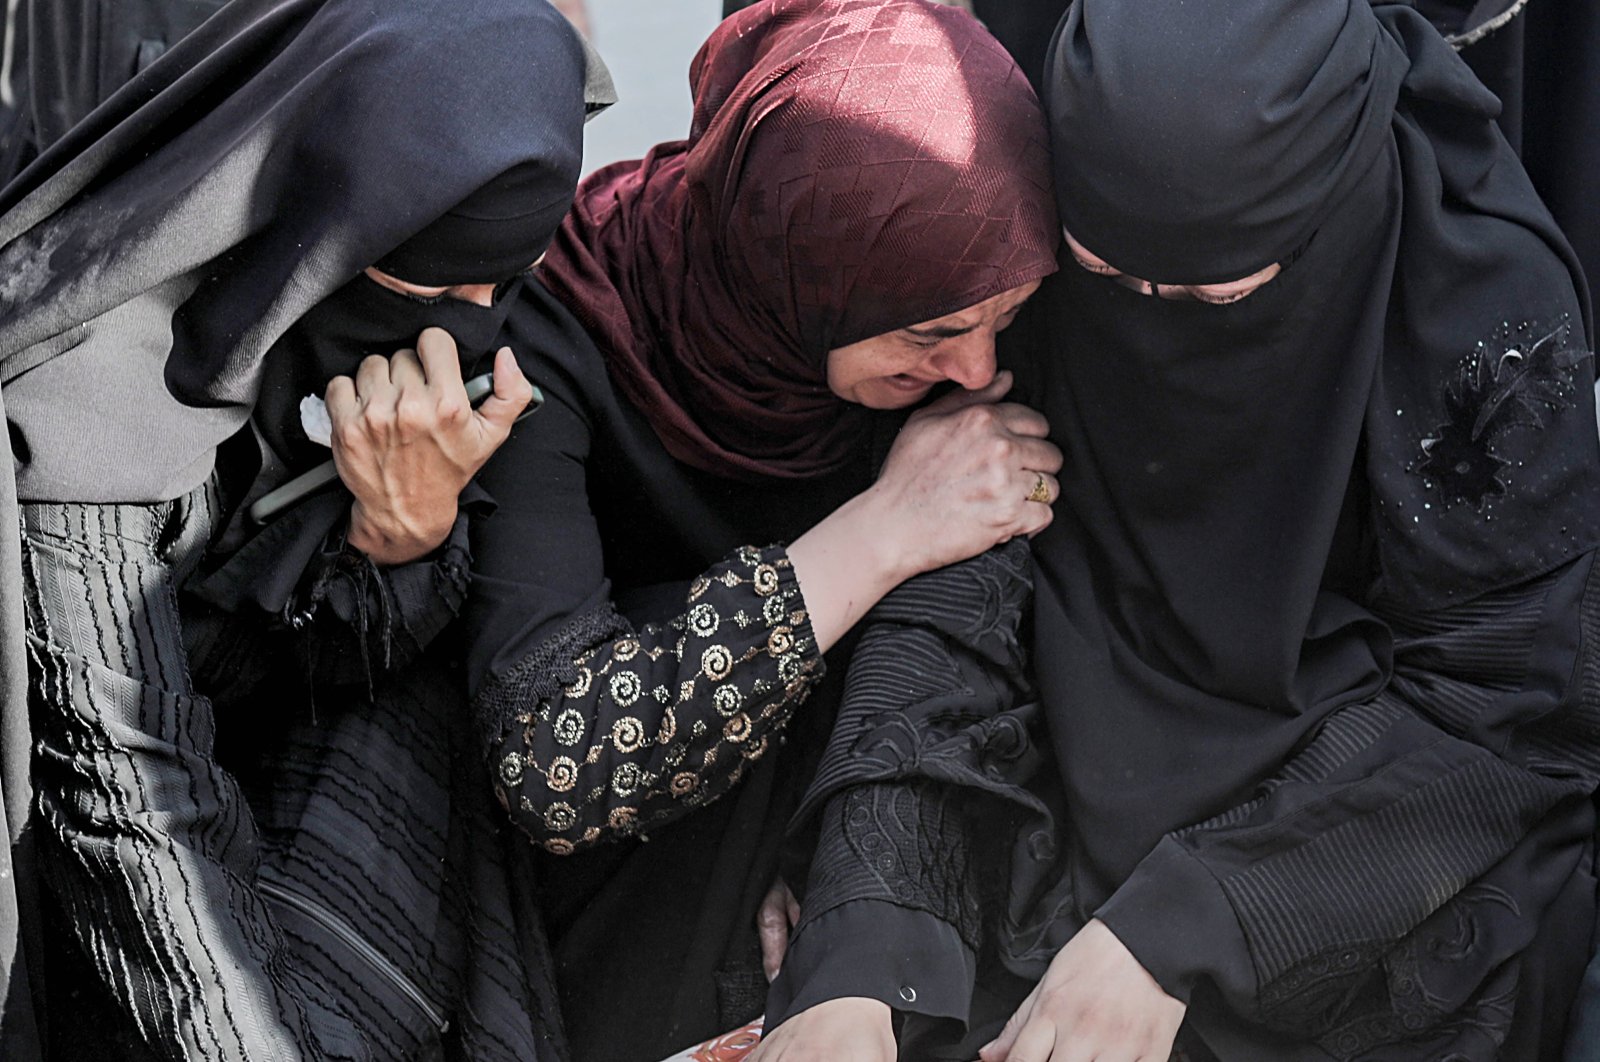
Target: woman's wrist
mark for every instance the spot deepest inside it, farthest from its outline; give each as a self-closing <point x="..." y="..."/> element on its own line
<point x="846" y="563"/>
<point x="396" y="540"/>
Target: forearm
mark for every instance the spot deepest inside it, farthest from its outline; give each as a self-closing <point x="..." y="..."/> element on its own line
<point x="846" y="564"/>
<point x="597" y="735"/>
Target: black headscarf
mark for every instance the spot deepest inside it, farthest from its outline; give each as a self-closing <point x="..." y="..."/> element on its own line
<point x="1401" y="419"/>
<point x="158" y="262"/>
<point x="155" y="255"/>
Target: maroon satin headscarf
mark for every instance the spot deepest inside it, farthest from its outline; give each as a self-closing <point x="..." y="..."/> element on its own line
<point x="854" y="167"/>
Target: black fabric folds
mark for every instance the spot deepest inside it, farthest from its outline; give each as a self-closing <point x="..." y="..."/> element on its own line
<point x="1402" y="418"/>
<point x="154" y="259"/>
<point x="156" y="253"/>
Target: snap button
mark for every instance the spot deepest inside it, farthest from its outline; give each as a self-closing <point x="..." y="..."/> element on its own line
<point x="908" y="994"/>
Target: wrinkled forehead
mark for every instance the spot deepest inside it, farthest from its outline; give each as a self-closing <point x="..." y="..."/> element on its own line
<point x="1197" y="142"/>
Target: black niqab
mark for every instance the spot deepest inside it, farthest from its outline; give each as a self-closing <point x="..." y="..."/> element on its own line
<point x="1401" y="419"/>
<point x="155" y="255"/>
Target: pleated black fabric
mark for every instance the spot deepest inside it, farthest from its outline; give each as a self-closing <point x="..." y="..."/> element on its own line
<point x="1313" y="630"/>
<point x="1401" y="418"/>
<point x="1369" y="490"/>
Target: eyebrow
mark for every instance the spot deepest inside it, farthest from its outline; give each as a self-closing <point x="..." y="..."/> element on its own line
<point x="940" y="331"/>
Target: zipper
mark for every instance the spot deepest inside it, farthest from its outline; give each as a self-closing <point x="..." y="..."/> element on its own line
<point x="373" y="957"/>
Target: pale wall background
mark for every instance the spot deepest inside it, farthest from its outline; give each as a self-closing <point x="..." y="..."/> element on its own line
<point x="648" y="45"/>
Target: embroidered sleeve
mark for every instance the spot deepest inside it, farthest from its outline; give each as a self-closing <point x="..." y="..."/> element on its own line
<point x="606" y="732"/>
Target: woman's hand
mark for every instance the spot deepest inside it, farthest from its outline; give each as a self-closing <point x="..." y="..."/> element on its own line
<point x="406" y="441"/>
<point x="961" y="478"/>
<point x="965" y="474"/>
<point x="853" y="1029"/>
<point x="778" y="915"/>
<point x="1095" y="1002"/>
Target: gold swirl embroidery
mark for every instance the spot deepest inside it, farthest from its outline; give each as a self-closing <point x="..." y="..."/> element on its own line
<point x="716" y="662"/>
<point x="562" y="775"/>
<point x="559" y="846"/>
<point x="765" y="580"/>
<point x="669" y="728"/>
<point x="626" y="649"/>
<point x="625" y="779"/>
<point x="684" y="783"/>
<point x="625" y="688"/>
<point x="623" y="817"/>
<point x="737" y="728"/>
<point x="570" y="726"/>
<point x="579" y="687"/>
<point x="780" y="641"/>
<point x="628" y="734"/>
<point x="511" y="769"/>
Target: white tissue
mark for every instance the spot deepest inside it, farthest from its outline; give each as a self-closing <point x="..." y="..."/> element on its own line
<point x="314" y="420"/>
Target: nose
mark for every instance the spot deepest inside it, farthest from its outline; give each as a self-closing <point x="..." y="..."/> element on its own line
<point x="478" y="294"/>
<point x="969" y="360"/>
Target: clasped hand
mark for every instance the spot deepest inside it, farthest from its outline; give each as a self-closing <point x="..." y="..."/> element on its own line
<point x="962" y="474"/>
<point x="1095" y="1002"/>
<point x="406" y="441"/>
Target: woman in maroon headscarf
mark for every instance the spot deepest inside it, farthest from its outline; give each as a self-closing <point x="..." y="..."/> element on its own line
<point x="723" y="333"/>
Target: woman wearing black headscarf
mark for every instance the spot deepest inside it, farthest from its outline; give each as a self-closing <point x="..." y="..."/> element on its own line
<point x="187" y="259"/>
<point x="1315" y="640"/>
<point x="725" y="332"/>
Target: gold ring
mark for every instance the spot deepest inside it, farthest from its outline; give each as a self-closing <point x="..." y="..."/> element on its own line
<point x="1041" y="489"/>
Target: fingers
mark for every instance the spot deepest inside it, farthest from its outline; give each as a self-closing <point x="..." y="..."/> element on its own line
<point x="772" y="924"/>
<point x="1039" y="455"/>
<point x="340" y="398"/>
<point x="440" y="359"/>
<point x="512" y="393"/>
<point x="961" y="398"/>
<point x="999" y="1048"/>
<point x="373" y="386"/>
<point x="1022" y="420"/>
<point x="1035" y="1043"/>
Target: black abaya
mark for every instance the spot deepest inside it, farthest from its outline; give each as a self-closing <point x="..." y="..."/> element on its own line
<point x="1314" y="630"/>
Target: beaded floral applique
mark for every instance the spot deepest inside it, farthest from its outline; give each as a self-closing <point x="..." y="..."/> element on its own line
<point x="1514" y="380"/>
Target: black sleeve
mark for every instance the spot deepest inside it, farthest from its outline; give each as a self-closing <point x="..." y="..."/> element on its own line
<point x="921" y="793"/>
<point x="1457" y="801"/>
<point x="294" y="588"/>
<point x="595" y="729"/>
<point x="356" y="621"/>
<point x="890" y="910"/>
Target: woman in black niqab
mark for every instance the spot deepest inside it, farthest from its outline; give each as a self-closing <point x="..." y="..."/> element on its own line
<point x="1314" y="631"/>
<point x="189" y="259"/>
<point x="1314" y="642"/>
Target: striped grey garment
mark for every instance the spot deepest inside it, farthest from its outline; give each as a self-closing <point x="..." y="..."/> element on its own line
<point x="145" y="844"/>
<point x="376" y="912"/>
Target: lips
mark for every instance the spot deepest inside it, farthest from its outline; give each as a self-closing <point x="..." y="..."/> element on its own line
<point x="907" y="383"/>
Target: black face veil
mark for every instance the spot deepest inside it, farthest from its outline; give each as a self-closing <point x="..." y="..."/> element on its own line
<point x="1401" y="420"/>
<point x="157" y="253"/>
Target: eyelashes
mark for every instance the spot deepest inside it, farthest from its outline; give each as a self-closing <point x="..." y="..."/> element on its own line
<point x="1099" y="269"/>
<point x="421" y="300"/>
